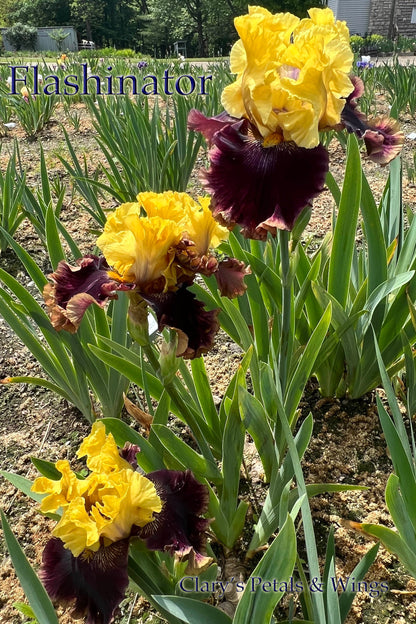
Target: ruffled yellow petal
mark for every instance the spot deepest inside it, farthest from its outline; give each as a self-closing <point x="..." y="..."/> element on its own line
<point x="238" y="58"/>
<point x="259" y="24"/>
<point x="59" y="493"/>
<point x="101" y="451"/>
<point x="77" y="529"/>
<point x="202" y="228"/>
<point x="232" y="100"/>
<point x="193" y="217"/>
<point x="143" y="251"/>
<point x="133" y="502"/>
<point x="116" y="220"/>
<point x="298" y="126"/>
<point x="107" y="511"/>
<point x="290" y="72"/>
<point x="325" y="17"/>
<point x="169" y="205"/>
<point x="103" y="507"/>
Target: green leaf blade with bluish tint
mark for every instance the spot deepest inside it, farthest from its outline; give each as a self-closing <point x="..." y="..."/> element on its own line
<point x="277" y="563"/>
<point x="344" y="236"/>
<point x="33" y="588"/>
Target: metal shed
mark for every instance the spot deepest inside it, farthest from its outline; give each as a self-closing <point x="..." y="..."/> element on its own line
<point x="45" y="42"/>
<point x="355" y="12"/>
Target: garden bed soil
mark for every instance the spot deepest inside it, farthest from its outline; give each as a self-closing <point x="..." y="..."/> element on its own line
<point x="347" y="445"/>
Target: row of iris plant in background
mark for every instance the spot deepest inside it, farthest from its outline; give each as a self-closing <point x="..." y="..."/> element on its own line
<point x="388" y="86"/>
<point x="144" y="145"/>
<point x="375" y="44"/>
<point x="392" y="80"/>
<point x="349" y="307"/>
<point x="33" y="111"/>
<point x="378" y="44"/>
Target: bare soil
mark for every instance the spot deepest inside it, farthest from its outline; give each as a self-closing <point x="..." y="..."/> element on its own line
<point x="347" y="445"/>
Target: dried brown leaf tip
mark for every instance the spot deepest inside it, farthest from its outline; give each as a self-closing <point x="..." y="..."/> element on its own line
<point x="144" y="419"/>
<point x="358" y="526"/>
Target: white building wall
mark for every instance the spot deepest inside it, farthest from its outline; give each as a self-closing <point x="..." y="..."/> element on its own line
<point x="355" y="12"/>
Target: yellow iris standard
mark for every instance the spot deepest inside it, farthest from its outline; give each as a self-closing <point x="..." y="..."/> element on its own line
<point x="102" y="508"/>
<point x="194" y="217"/>
<point x="141" y="249"/>
<point x="140" y="239"/>
<point x="292" y="75"/>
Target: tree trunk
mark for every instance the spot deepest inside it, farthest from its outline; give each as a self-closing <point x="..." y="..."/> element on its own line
<point x="88" y="30"/>
<point x="195" y="11"/>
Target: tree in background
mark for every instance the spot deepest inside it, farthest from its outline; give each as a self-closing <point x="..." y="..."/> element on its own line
<point x="220" y="29"/>
<point x="205" y="25"/>
<point x="5" y="9"/>
<point x="87" y="17"/>
<point x="168" y="22"/>
<point x="150" y="26"/>
<point x="198" y="11"/>
<point x="122" y="22"/>
<point x="59" y="36"/>
<point x="36" y="12"/>
<point x="21" y="36"/>
<point x="297" y="7"/>
<point x="108" y="22"/>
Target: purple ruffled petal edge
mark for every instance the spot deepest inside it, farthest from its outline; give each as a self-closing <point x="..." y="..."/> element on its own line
<point x="179" y="527"/>
<point x="180" y="310"/>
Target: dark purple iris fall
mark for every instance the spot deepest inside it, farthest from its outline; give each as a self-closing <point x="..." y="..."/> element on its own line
<point x="230" y="277"/>
<point x="382" y="136"/>
<point x="179" y="526"/>
<point x="73" y="289"/>
<point x="196" y="327"/>
<point x="264" y="188"/>
<point x="94" y="583"/>
<point x="260" y="188"/>
<point x="129" y="452"/>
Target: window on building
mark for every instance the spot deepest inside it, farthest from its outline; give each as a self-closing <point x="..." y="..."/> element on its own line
<point x="413" y="18"/>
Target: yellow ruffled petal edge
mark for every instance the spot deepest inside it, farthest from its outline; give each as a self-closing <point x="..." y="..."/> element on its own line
<point x="103" y="507"/>
<point x="290" y="72"/>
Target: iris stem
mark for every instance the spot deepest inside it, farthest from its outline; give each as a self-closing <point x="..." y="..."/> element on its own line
<point x="187" y="412"/>
<point x="286" y="333"/>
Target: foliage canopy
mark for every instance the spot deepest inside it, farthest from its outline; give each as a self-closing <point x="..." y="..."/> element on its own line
<point x="148" y="26"/>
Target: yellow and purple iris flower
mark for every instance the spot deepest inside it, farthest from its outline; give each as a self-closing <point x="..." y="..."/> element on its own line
<point x="62" y="61"/>
<point x="292" y="82"/>
<point x="26" y="95"/>
<point x="85" y="562"/>
<point x="153" y="249"/>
